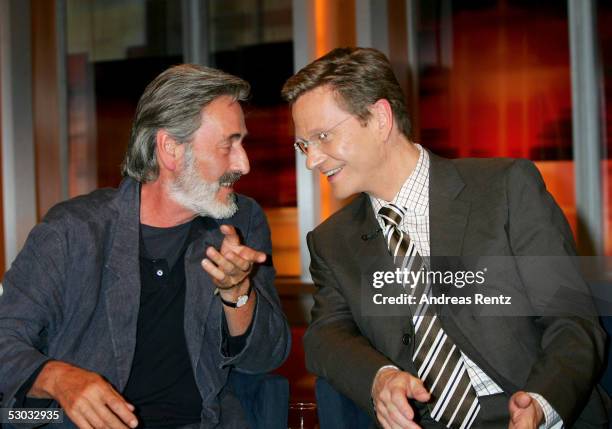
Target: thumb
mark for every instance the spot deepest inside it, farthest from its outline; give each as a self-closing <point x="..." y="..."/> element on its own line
<point x="519" y="401"/>
<point x="522" y="400"/>
<point x="419" y="392"/>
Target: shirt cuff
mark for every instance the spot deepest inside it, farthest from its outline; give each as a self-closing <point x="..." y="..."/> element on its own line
<point x="21" y="398"/>
<point x="551" y="418"/>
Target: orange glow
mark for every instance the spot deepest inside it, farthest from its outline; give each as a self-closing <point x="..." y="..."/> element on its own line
<point x="559" y="179"/>
<point x="321" y="9"/>
<point x="326" y="198"/>
<point x="321" y="12"/>
<point x="332" y="30"/>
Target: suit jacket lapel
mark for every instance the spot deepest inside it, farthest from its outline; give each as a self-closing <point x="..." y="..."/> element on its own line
<point x="447" y="214"/>
<point x="122" y="288"/>
<point x="199" y="288"/>
<point x="371" y="249"/>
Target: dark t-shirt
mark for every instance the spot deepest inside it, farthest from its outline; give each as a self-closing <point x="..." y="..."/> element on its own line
<point x="161" y="384"/>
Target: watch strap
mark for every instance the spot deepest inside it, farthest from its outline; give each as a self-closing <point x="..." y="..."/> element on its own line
<point x="235" y="304"/>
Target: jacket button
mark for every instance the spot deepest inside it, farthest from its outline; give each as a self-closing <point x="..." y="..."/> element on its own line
<point x="406" y="339"/>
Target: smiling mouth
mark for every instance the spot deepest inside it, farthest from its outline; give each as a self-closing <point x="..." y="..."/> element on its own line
<point x="332" y="172"/>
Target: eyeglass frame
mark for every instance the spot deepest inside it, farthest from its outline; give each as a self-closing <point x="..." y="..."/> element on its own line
<point x="320" y="137"/>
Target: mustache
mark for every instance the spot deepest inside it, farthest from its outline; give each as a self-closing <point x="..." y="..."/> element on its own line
<point x="229" y="178"/>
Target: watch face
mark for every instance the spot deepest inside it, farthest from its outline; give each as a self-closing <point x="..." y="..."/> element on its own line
<point x="242" y="299"/>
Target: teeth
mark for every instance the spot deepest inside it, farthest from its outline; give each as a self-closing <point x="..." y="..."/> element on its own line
<point x="332" y="172"/>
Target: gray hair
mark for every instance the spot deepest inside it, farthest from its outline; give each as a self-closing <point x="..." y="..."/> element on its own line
<point x="173" y="101"/>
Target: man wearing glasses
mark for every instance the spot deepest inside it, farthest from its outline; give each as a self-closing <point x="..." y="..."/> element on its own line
<point x="428" y="363"/>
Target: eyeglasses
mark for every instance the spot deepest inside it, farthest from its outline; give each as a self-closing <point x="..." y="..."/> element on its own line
<point x="302" y="145"/>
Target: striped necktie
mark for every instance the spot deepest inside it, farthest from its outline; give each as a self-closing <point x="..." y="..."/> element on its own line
<point x="436" y="357"/>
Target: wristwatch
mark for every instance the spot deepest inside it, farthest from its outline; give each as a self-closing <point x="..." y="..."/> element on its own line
<point x="242" y="299"/>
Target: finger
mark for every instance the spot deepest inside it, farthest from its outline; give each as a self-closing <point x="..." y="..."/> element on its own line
<point x="401" y="406"/>
<point x="252" y="255"/>
<point x="383" y="422"/>
<point x="520" y="419"/>
<point x="230" y="234"/>
<point x="109" y="418"/>
<point x="87" y="410"/>
<point x="80" y="420"/>
<point x="518" y="423"/>
<point x="523" y="400"/>
<point x="517" y="402"/>
<point x="221" y="261"/>
<point x="238" y="261"/>
<point x="416" y="390"/>
<point x="122" y="409"/>
<point x="397" y="417"/>
<point x="212" y="269"/>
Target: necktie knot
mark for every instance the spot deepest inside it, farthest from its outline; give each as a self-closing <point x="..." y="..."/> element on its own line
<point x="391" y="215"/>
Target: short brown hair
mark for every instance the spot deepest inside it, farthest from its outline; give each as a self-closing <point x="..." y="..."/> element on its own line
<point x="361" y="76"/>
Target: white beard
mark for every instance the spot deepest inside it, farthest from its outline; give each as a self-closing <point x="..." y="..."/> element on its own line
<point x="197" y="195"/>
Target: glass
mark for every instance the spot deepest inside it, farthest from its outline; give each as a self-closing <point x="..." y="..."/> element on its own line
<point x="303" y="415"/>
<point x="317" y="139"/>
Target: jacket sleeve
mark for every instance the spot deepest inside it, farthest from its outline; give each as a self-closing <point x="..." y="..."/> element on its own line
<point x="269" y="342"/>
<point x="335" y="348"/>
<point x="572" y="340"/>
<point x="30" y="308"/>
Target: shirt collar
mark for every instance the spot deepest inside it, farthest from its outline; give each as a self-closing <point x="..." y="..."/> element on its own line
<point x="414" y="193"/>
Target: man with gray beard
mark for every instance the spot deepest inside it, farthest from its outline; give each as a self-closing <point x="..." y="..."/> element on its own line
<point x="130" y="307"/>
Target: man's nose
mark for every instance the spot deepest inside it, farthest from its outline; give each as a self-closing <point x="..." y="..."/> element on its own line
<point x="241" y="161"/>
<point x="314" y="157"/>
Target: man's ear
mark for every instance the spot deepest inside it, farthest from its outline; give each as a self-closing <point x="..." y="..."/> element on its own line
<point x="382" y="115"/>
<point x="168" y="150"/>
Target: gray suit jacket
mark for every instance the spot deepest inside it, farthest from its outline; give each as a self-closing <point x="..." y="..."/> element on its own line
<point x="478" y="207"/>
<point x="73" y="294"/>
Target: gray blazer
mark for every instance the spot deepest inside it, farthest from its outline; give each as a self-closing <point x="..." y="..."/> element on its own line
<point x="73" y="294"/>
<point x="478" y="207"/>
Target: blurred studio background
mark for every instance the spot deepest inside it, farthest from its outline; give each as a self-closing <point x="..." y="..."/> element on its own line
<point x="483" y="78"/>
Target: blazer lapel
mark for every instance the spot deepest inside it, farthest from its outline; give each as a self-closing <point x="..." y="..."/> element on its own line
<point x="199" y="288"/>
<point x="371" y="249"/>
<point x="122" y="287"/>
<point x="447" y="214"/>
